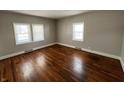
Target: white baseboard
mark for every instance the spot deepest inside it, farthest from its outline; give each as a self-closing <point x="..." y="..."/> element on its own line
<point x="21" y="52"/>
<point x="107" y="55"/>
<point x="66" y="45"/>
<point x="99" y="53"/>
<point x="11" y="55"/>
<point x="122" y="63"/>
<point x="44" y="46"/>
<point x="91" y="51"/>
<point x="83" y="49"/>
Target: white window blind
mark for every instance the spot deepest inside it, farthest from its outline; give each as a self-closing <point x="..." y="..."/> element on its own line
<point x="78" y="31"/>
<point x="38" y="32"/>
<point x="22" y="33"/>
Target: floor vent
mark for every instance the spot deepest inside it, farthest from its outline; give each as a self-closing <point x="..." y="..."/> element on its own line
<point x="30" y="50"/>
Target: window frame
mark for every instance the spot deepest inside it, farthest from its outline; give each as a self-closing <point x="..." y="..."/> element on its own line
<point x="15" y="33"/>
<point x="73" y="35"/>
<point x="33" y="33"/>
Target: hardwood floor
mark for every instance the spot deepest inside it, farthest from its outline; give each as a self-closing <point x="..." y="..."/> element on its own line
<point x="59" y="63"/>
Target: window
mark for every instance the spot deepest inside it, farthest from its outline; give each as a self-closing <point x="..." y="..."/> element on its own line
<point x="38" y="32"/>
<point x="22" y="33"/>
<point x="78" y="31"/>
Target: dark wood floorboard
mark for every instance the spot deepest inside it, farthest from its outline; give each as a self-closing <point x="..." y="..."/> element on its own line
<point x="60" y="64"/>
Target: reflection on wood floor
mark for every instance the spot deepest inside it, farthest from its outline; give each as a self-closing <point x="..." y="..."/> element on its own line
<point x="59" y="63"/>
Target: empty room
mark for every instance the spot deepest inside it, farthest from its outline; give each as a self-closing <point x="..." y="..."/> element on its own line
<point x="61" y="46"/>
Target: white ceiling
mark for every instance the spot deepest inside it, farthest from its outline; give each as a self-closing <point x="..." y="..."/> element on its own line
<point x="56" y="14"/>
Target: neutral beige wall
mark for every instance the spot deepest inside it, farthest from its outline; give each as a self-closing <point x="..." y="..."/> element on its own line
<point x="7" y="41"/>
<point x="122" y="49"/>
<point x="103" y="31"/>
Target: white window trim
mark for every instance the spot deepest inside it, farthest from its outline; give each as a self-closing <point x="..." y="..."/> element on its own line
<point x="14" y="24"/>
<point x="43" y="33"/>
<point x="81" y="40"/>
